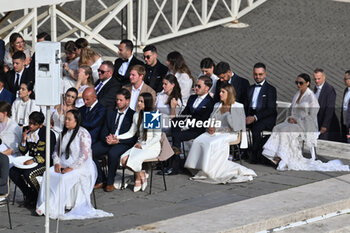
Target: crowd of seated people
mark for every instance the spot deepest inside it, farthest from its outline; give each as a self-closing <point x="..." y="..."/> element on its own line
<point x="104" y="108"/>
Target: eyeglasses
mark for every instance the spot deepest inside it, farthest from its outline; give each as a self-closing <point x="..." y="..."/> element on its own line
<point x="299" y="83"/>
<point x="146" y="57"/>
<point x="198" y="86"/>
<point x="258" y="74"/>
<point x="102" y="71"/>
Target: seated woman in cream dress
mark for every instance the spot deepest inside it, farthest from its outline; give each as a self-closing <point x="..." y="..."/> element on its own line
<point x="210" y="151"/>
<point x="148" y="145"/>
<point x="169" y="101"/>
<point x="24" y="105"/>
<point x="284" y="147"/>
<point x="10" y="132"/>
<point x="73" y="176"/>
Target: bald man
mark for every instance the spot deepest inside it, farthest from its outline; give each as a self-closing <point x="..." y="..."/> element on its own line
<point x="92" y="113"/>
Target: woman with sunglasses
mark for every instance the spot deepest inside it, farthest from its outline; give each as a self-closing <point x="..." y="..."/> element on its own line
<point x="283" y="147"/>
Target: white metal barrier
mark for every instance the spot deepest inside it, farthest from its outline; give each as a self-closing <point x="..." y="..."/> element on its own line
<point x="142" y="21"/>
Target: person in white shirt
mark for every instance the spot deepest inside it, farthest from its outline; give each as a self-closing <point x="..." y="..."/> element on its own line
<point x="207" y="66"/>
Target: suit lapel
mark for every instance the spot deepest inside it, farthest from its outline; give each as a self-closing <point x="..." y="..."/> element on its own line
<point x="261" y="94"/>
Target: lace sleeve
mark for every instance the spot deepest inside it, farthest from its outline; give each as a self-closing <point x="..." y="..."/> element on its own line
<point x="56" y="159"/>
<point x="85" y="148"/>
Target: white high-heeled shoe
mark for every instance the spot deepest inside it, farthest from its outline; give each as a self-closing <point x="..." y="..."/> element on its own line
<point x="137" y="188"/>
<point x="144" y="182"/>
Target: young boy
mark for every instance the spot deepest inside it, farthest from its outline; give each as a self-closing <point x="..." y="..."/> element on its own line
<point x="33" y="142"/>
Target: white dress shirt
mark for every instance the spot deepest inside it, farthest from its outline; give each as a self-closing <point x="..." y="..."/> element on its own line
<point x="134" y="96"/>
<point x="256" y="94"/>
<point x="199" y="100"/>
<point x="103" y="83"/>
<point x="319" y="89"/>
<point x="120" y="120"/>
<point x="124" y="67"/>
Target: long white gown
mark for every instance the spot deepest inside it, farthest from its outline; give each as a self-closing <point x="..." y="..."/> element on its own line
<point x="209" y="152"/>
<point x="284" y="140"/>
<point x="150" y="148"/>
<point x="73" y="189"/>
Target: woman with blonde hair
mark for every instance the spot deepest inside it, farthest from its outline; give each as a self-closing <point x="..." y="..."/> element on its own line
<point x="91" y="58"/>
<point x="208" y="157"/>
<point x="85" y="80"/>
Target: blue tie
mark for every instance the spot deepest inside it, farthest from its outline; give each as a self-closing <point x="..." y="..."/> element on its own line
<point x="98" y="88"/>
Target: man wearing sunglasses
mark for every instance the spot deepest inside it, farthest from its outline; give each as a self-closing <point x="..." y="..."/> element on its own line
<point x="106" y="87"/>
<point x="199" y="108"/>
<point x="262" y="112"/>
<point x="327" y="120"/>
<point x="155" y="71"/>
<point x="125" y="61"/>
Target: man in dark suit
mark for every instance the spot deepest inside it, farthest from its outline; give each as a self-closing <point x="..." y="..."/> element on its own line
<point x="199" y="108"/>
<point x="262" y="112"/>
<point x="125" y="61"/>
<point x="2" y="50"/>
<point x="327" y="120"/>
<point x="345" y="108"/>
<point x="116" y="122"/>
<point x="19" y="74"/>
<point x="241" y="85"/>
<point x="5" y="95"/>
<point x="155" y="71"/>
<point x="106" y="87"/>
<point x="4" y="173"/>
<point x="92" y="114"/>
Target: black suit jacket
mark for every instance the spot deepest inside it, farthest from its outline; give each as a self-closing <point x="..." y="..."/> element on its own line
<point x="266" y="107"/>
<point x="27" y="76"/>
<point x="241" y="86"/>
<point x="326" y="116"/>
<point x="154" y="76"/>
<point x="2" y="50"/>
<point x="345" y="127"/>
<point x="93" y="120"/>
<point x="5" y="95"/>
<point x="124" y="79"/>
<point x="109" y="126"/>
<point x="202" y="112"/>
<point x="4" y="173"/>
<point x="107" y="95"/>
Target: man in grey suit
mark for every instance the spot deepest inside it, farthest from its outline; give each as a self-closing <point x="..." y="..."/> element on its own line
<point x="327" y="120"/>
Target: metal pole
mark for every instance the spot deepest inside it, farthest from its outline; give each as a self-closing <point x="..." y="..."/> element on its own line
<point x="130" y="17"/>
<point x="34" y="27"/>
<point x="174" y="15"/>
<point x="53" y="23"/>
<point x="47" y="163"/>
<point x="83" y="15"/>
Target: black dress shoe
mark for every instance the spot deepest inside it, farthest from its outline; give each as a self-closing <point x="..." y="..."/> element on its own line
<point x="170" y="171"/>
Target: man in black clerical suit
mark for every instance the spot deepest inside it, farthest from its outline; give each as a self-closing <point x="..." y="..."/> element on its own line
<point x="19" y="74"/>
<point x="327" y="119"/>
<point x="155" y="71"/>
<point x="199" y="108"/>
<point x="116" y="122"/>
<point x="262" y="112"/>
<point x="123" y="64"/>
<point x="241" y="85"/>
<point x="92" y="114"/>
<point x="106" y="87"/>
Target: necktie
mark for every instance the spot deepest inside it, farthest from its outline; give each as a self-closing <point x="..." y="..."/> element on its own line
<point x="98" y="87"/>
<point x="117" y="122"/>
<point x="17" y="81"/>
<point x="88" y="110"/>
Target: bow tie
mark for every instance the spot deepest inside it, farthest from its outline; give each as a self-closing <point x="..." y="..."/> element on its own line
<point x="258" y="85"/>
<point x="125" y="60"/>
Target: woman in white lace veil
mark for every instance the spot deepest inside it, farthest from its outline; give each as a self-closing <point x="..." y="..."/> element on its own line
<point x="73" y="175"/>
<point x="284" y="145"/>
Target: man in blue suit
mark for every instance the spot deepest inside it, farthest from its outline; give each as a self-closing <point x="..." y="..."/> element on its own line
<point x="241" y="85"/>
<point x="5" y="95"/>
<point x="262" y="112"/>
<point x="92" y="114"/>
<point x="198" y="108"/>
<point x="116" y="122"/>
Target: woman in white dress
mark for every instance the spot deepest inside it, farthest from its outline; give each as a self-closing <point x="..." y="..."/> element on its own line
<point x="70" y="65"/>
<point x="85" y="80"/>
<point x="73" y="175"/>
<point x="148" y="144"/>
<point x="91" y="58"/>
<point x="283" y="147"/>
<point x="169" y="101"/>
<point x="17" y="43"/>
<point x="177" y="66"/>
<point x="210" y="151"/>
<point x="24" y="105"/>
<point x="57" y="116"/>
<point x="10" y="132"/>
